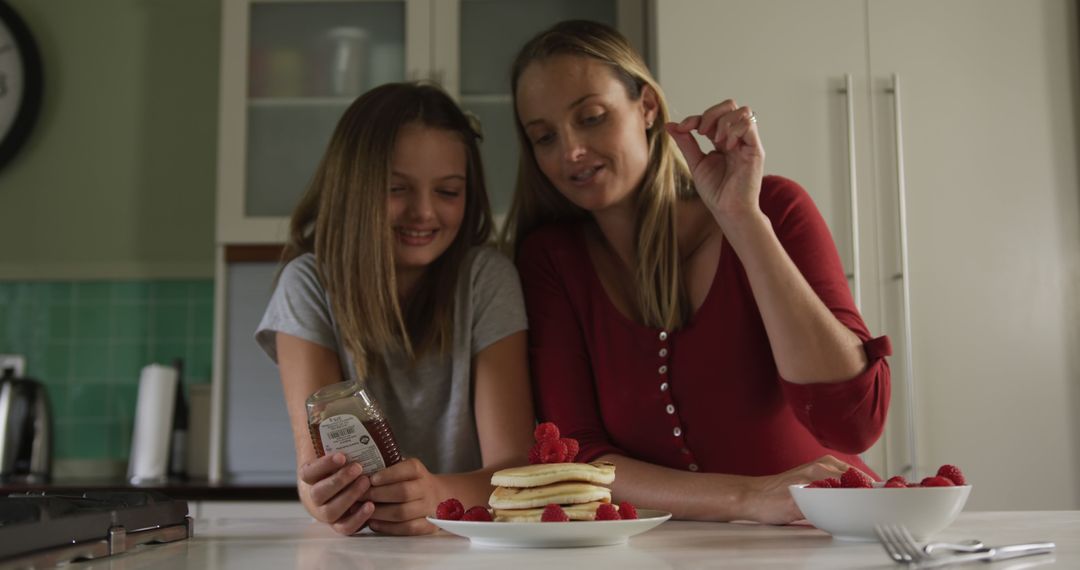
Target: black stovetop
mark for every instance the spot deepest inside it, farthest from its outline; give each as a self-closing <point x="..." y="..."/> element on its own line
<point x="39" y="521"/>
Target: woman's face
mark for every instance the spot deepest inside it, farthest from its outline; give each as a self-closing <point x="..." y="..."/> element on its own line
<point x="426" y="204"/>
<point x="586" y="133"/>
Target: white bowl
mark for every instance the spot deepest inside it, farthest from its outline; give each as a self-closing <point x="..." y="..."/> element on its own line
<point x="851" y="514"/>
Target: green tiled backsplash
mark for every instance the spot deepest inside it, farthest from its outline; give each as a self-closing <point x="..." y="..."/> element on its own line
<point x="88" y="341"/>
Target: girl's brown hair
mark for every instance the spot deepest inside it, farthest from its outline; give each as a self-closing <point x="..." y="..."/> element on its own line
<point x="342" y="220"/>
<point x="661" y="301"/>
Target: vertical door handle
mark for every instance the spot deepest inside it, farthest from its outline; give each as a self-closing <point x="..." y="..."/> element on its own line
<point x="856" y="273"/>
<point x="905" y="274"/>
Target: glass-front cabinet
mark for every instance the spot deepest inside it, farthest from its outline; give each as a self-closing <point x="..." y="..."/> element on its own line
<point x="476" y="62"/>
<point x="288" y="71"/>
<point x="290" y="68"/>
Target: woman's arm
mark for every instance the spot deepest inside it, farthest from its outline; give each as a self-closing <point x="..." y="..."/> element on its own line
<point x="329" y="488"/>
<point x="809" y="343"/>
<point x="836" y="377"/>
<point x="716" y="496"/>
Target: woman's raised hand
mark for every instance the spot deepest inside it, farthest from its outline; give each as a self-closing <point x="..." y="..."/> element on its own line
<point x="332" y="490"/>
<point x="728" y="178"/>
<point x="404" y="494"/>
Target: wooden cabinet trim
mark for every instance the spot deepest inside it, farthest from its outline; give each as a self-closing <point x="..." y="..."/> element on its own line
<point x="253" y="253"/>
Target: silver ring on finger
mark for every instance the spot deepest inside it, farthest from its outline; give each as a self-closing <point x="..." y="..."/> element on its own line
<point x="753" y="117"/>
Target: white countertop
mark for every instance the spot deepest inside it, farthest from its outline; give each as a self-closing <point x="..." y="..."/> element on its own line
<point x="262" y="544"/>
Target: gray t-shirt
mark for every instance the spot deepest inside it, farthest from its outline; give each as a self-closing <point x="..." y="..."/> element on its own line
<point x="429" y="405"/>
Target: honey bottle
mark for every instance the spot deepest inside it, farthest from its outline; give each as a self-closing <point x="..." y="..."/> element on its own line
<point x="344" y="418"/>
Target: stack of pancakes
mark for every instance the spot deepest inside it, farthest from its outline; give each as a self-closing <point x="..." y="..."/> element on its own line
<point x="521" y="493"/>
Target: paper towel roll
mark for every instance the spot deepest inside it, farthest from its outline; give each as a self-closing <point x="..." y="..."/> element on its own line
<point x="154" y="408"/>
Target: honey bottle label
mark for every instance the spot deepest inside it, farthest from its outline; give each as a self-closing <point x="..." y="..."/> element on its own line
<point x="347" y="434"/>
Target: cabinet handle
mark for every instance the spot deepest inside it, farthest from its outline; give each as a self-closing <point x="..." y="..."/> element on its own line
<point x="855" y="274"/>
<point x="905" y="275"/>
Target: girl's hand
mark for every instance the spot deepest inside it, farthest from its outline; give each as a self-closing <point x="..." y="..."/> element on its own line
<point x="331" y="491"/>
<point x="770" y="500"/>
<point x="404" y="494"/>
<point x="728" y="178"/>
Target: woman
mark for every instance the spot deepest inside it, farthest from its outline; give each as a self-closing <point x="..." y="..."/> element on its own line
<point x="385" y="278"/>
<point x="689" y="317"/>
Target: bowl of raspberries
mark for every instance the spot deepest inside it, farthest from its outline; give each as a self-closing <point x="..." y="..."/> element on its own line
<point x="848" y="507"/>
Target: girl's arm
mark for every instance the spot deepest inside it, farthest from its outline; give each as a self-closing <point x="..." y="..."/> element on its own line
<point x="504" y="417"/>
<point x="407" y="492"/>
<point x="328" y="488"/>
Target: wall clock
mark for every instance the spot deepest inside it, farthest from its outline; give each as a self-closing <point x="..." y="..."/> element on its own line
<point x="20" y="82"/>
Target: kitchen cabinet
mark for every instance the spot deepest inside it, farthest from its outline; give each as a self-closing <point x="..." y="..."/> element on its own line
<point x="959" y="120"/>
<point x="475" y="55"/>
<point x="289" y="68"/>
<point x="288" y="71"/>
<point x="254" y="440"/>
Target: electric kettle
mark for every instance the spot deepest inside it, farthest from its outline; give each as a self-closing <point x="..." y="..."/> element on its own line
<point x="25" y="430"/>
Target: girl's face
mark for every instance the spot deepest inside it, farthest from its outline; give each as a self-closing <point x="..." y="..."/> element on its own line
<point x="587" y="135"/>
<point x="426" y="204"/>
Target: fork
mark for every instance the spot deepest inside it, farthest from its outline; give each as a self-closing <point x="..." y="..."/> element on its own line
<point x="901" y="547"/>
<point x="972" y="545"/>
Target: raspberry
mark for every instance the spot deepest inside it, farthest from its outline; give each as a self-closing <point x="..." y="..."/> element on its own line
<point x="896" y="482"/>
<point x="552" y="451"/>
<point x="572" y="447"/>
<point x="829" y="483"/>
<point x="534" y="455"/>
<point x="952" y="473"/>
<point x="853" y="478"/>
<point x="477" y="514"/>
<point x="546" y="431"/>
<point x="607" y="512"/>
<point x="937" y="481"/>
<point x="627" y="511"/>
<point x="450" y="510"/>
<point x="554" y="513"/>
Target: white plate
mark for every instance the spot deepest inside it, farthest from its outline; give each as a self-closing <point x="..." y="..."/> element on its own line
<point x="553" y="535"/>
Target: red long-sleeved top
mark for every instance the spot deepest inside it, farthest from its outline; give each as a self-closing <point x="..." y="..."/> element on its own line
<point x="706" y="397"/>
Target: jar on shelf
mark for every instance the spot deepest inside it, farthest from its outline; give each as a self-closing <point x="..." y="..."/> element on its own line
<point x="348" y="62"/>
<point x="345" y="418"/>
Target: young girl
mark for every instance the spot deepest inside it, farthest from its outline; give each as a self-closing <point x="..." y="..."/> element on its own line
<point x="689" y="319"/>
<point x="386" y="278"/>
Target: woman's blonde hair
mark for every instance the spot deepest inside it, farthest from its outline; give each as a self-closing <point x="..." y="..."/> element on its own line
<point x="661" y="301"/>
<point x="342" y="220"/>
